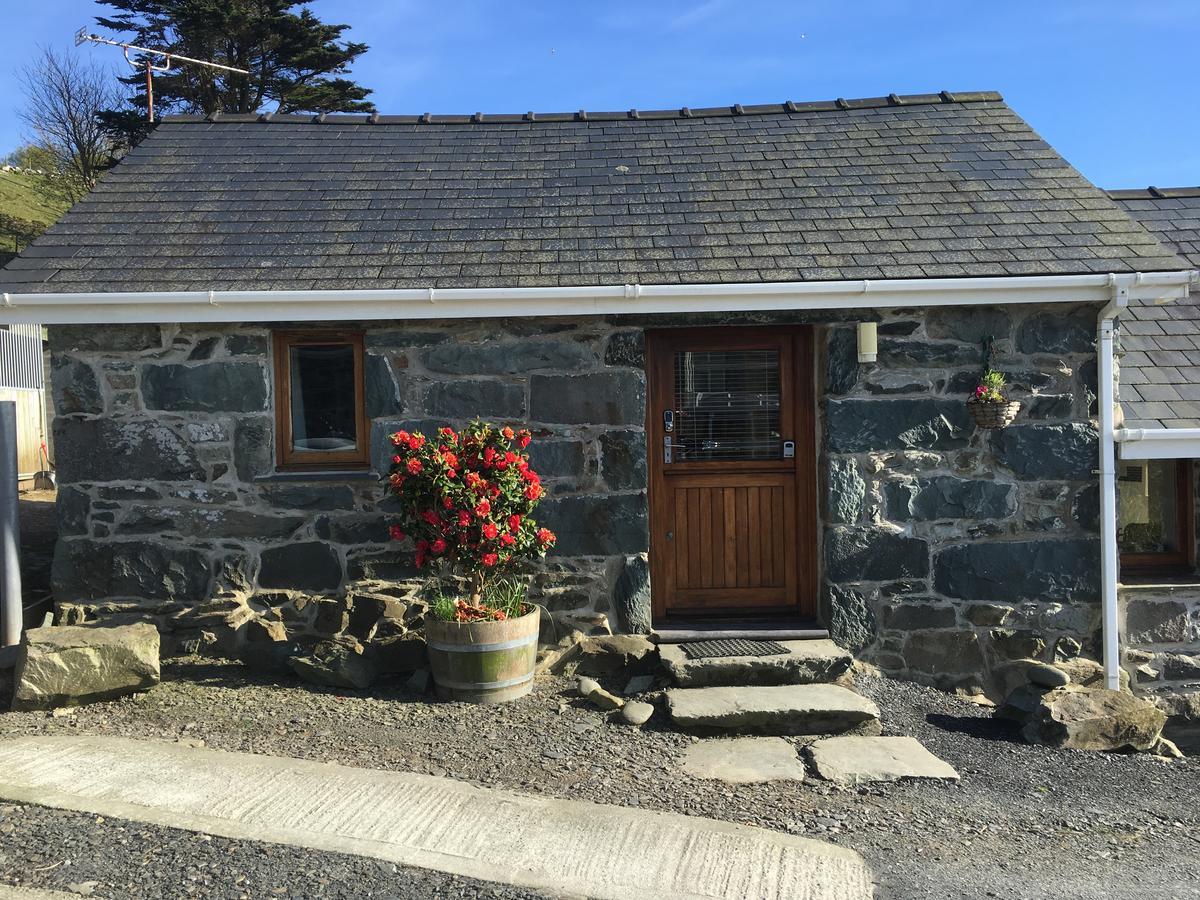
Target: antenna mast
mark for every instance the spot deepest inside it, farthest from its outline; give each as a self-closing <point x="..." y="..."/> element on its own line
<point x="166" y="60"/>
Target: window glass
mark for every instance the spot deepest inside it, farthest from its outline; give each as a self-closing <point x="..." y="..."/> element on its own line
<point x="322" y="380"/>
<point x="726" y="405"/>
<point x="1148" y="507"/>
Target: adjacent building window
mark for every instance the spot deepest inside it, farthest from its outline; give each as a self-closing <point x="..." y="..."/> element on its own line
<point x="320" y="412"/>
<point x="1155" y="514"/>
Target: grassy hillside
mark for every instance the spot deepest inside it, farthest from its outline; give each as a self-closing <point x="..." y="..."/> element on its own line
<point x="19" y="197"/>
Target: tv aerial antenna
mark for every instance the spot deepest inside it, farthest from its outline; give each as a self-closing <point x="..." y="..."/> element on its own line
<point x="153" y="61"/>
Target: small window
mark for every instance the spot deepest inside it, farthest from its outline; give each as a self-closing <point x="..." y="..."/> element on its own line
<point x="320" y="413"/>
<point x="1154" y="514"/>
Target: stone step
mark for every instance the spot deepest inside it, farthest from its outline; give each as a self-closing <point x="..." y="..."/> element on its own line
<point x="774" y="709"/>
<point x="850" y="760"/>
<point x="806" y="662"/>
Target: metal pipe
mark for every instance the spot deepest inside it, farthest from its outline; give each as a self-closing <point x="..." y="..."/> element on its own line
<point x="10" y="529"/>
<point x="1109" y="560"/>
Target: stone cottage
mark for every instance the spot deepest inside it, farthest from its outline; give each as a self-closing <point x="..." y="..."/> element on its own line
<point x="743" y="337"/>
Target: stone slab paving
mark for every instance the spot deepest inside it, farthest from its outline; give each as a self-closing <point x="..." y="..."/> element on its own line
<point x="435" y="823"/>
<point x="806" y="662"/>
<point x="851" y="760"/>
<point x="11" y="892"/>
<point x="774" y="709"/>
<point x="750" y="760"/>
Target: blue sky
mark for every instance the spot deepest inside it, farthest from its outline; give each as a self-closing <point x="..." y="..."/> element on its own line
<point x="1113" y="84"/>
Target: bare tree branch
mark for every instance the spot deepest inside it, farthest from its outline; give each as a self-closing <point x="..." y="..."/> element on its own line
<point x="63" y="94"/>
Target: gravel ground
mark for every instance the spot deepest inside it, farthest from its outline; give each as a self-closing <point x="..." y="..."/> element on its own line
<point x="1024" y="822"/>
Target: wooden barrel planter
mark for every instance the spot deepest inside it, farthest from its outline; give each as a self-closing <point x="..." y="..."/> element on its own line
<point x="483" y="662"/>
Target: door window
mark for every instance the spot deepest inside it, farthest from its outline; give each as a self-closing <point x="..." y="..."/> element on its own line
<point x="726" y="405"/>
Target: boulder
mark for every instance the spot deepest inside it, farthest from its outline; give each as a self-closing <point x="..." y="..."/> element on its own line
<point x="71" y="665"/>
<point x="336" y="664"/>
<point x="1047" y="676"/>
<point x="609" y="654"/>
<point x="637" y="713"/>
<point x="402" y="653"/>
<point x="1084" y="718"/>
<point x="1088" y="672"/>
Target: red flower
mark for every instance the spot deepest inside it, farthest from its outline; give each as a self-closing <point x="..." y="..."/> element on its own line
<point x="490" y="559"/>
<point x="523" y="439"/>
<point x="414" y="466"/>
<point x="431" y="517"/>
<point x="533" y="492"/>
<point x="482" y="508"/>
<point x="472" y="479"/>
<point x="507" y="539"/>
<point x="531" y="476"/>
<point x="510" y="457"/>
<point x="395" y="533"/>
<point x="490" y="530"/>
<point x="438" y="546"/>
<point x="450" y="460"/>
<point x="514" y="522"/>
<point x="464" y="518"/>
<point x="415" y="441"/>
<point x="397" y="460"/>
<point x="489" y="454"/>
<point x="508" y="433"/>
<point x="447" y="503"/>
<point x="400" y="437"/>
<point x="545" y="536"/>
<point x="448" y="433"/>
<point x="450" y="473"/>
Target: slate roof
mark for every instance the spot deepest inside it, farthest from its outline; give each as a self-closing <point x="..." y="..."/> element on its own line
<point x="938" y="185"/>
<point x="1160" y="366"/>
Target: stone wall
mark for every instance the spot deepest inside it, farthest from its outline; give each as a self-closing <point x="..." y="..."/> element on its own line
<point x="170" y="509"/>
<point x="946" y="550"/>
<point x="950" y="551"/>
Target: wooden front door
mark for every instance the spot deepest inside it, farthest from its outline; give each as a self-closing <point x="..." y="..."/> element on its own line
<point x="730" y="427"/>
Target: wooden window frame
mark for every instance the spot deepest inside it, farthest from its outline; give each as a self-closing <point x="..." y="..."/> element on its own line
<point x="1184" y="558"/>
<point x="290" y="460"/>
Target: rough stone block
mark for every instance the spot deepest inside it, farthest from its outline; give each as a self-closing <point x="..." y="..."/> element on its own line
<point x="119" y="449"/>
<point x="610" y="654"/>
<point x="623" y="460"/>
<point x="303" y="566"/>
<point x="74" y="387"/>
<point x="1006" y="571"/>
<point x="873" y="554"/>
<point x="1057" y="332"/>
<point x="847" y="491"/>
<point x="1150" y="621"/>
<point x="481" y="399"/>
<point x="947" y="651"/>
<point x="598" y="524"/>
<point x="859" y="426"/>
<point x="255" y="345"/>
<point x="140" y="570"/>
<point x="841" y="363"/>
<point x="381" y="387"/>
<point x="557" y="459"/>
<point x="910" y="616"/>
<point x="253" y="454"/>
<point x="508" y="358"/>
<point x="323" y="496"/>
<point x="71" y="508"/>
<point x="104" y="338"/>
<point x="970" y="324"/>
<point x="631" y="595"/>
<point x="1045" y="452"/>
<point x="210" y="387"/>
<point x="626" y="348"/>
<point x="1093" y="719"/>
<point x="849" y="617"/>
<point x="601" y="398"/>
<point x="947" y="497"/>
<point x="921" y="354"/>
<point x="73" y="665"/>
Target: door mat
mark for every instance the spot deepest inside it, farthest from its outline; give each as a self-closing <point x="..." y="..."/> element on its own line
<point x="731" y="647"/>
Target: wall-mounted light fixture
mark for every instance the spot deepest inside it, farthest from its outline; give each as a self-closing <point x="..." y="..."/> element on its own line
<point x="868" y="342"/>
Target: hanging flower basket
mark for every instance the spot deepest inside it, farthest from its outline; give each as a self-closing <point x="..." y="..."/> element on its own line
<point x="993" y="413"/>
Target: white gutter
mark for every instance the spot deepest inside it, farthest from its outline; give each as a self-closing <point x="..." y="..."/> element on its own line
<point x="473" y="303"/>
<point x="1109" y="561"/>
<point x="1159" y="443"/>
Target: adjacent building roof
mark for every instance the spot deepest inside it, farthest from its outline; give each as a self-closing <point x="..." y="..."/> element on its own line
<point x="1160" y="366"/>
<point x="938" y="185"/>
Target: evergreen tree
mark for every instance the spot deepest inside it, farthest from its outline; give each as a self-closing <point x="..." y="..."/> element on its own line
<point x="297" y="63"/>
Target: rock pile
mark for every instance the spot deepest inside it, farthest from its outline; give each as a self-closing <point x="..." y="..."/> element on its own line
<point x="1065" y="704"/>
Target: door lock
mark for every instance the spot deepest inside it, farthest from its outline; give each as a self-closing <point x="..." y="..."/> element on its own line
<point x="668" y="420"/>
<point x="789" y="449"/>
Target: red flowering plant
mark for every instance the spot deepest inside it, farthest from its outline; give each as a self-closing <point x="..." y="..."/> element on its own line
<point x="465" y="500"/>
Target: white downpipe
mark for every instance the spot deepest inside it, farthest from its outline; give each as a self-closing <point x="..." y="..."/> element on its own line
<point x="1109" y="565"/>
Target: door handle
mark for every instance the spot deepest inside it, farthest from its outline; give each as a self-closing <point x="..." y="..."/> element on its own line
<point x="670" y="535"/>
